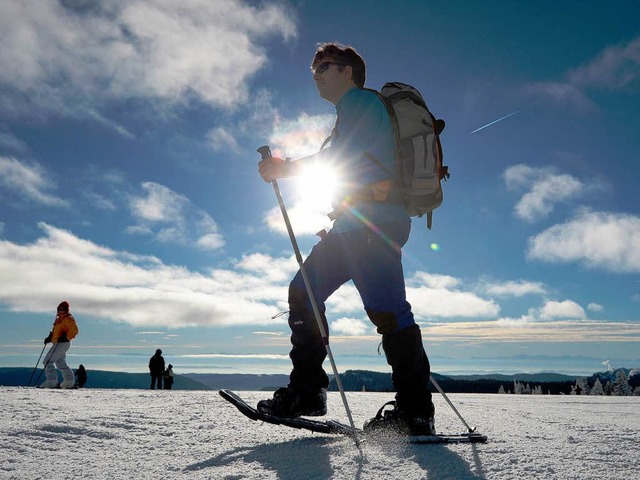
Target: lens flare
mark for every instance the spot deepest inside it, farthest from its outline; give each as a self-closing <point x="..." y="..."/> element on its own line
<point x="315" y="188"/>
<point x="435" y="247"/>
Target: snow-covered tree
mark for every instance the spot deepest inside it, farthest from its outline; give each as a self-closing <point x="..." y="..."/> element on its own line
<point x="582" y="385"/>
<point x="518" y="388"/>
<point x="608" y="388"/>
<point x="621" y="386"/>
<point x="597" y="388"/>
<point x="501" y="390"/>
<point x="537" y="390"/>
<point x="636" y="392"/>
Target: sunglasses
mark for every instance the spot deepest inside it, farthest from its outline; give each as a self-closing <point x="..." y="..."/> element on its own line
<point x="324" y="66"/>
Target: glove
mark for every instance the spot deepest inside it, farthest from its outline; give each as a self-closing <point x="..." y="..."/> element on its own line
<point x="48" y="339"/>
<point x="63" y="338"/>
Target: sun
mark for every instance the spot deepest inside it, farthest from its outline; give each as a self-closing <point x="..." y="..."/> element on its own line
<point x="316" y="187"/>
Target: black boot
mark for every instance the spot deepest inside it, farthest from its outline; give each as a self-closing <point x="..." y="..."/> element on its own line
<point x="290" y="403"/>
<point x="410" y="371"/>
<point x="396" y="422"/>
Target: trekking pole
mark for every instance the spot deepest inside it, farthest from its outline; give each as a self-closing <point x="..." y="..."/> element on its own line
<point x="265" y="152"/>
<point x="53" y="349"/>
<point x="34" y="368"/>
<point x="435" y="384"/>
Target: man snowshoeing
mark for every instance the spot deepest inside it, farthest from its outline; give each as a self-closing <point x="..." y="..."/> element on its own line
<point x="364" y="246"/>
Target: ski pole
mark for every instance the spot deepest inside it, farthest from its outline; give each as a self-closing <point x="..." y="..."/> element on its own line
<point x="34" y="368"/>
<point x="265" y="152"/>
<point x="53" y="349"/>
<point x="435" y="384"/>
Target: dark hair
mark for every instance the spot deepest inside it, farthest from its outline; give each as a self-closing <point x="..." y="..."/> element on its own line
<point x="63" y="307"/>
<point x="342" y="54"/>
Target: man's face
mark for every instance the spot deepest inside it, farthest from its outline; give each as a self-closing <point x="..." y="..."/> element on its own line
<point x="332" y="79"/>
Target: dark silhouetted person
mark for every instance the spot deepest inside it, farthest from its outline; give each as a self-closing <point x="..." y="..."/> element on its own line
<point x="168" y="377"/>
<point x="81" y="376"/>
<point x="156" y="369"/>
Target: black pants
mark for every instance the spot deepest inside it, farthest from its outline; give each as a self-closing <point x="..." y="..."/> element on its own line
<point x="404" y="352"/>
<point x="156" y="378"/>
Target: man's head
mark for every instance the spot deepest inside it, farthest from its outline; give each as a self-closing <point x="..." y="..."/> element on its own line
<point x="336" y="69"/>
<point x="63" y="307"/>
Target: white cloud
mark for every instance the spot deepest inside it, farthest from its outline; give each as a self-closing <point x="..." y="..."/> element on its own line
<point x="602" y="240"/>
<point x="350" y="327"/>
<point x="160" y="204"/>
<point x="518" y="288"/>
<point x="615" y="68"/>
<point x="595" y="307"/>
<point x="144" y="292"/>
<point x="274" y="269"/>
<point x="30" y="180"/>
<point x="304" y="220"/>
<point x="564" y="95"/>
<point x="10" y="142"/>
<point x="526" y="331"/>
<point x="172" y="218"/>
<point x="220" y="138"/>
<point x="434" y="296"/>
<point x="147" y="292"/>
<point x="64" y="60"/>
<point x="210" y="241"/>
<point x="432" y="280"/>
<point x="566" y="309"/>
<point x="302" y="136"/>
<point x="99" y="201"/>
<point x="345" y="300"/>
<point x="544" y="189"/>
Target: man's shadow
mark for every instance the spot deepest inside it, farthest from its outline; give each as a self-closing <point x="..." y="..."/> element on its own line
<point x="291" y="460"/>
<point x="440" y="462"/>
<point x="310" y="458"/>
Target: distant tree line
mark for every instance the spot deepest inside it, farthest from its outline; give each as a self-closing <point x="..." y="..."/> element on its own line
<point x="615" y="383"/>
<point x="618" y="382"/>
<point x="363" y="380"/>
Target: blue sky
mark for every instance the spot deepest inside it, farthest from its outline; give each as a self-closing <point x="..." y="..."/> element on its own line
<point x="129" y="184"/>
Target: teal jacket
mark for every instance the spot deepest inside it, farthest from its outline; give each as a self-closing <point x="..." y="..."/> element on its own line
<point x="363" y="132"/>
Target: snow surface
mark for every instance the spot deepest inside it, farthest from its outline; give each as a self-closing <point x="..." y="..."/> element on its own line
<point x="139" y="434"/>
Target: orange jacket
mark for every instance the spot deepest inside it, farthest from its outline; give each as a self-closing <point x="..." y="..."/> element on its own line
<point x="65" y="323"/>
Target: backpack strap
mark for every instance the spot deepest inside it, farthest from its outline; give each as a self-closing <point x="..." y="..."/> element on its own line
<point x="327" y="140"/>
<point x="397" y="177"/>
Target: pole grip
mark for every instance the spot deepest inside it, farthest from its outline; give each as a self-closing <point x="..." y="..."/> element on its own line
<point x="265" y="152"/>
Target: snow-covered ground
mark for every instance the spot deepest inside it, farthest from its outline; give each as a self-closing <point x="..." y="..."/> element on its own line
<point x="136" y="434"/>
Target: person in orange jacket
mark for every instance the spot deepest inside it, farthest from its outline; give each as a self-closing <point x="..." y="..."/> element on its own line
<point x="64" y="330"/>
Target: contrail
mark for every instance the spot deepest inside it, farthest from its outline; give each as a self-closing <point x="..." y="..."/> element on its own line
<point x="495" y="121"/>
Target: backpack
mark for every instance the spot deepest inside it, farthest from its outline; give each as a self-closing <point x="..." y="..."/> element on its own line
<point x="418" y="149"/>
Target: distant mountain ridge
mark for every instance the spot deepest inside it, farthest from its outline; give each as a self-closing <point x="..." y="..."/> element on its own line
<point x="19" y="376"/>
<point x="521" y="377"/>
<point x="353" y="380"/>
<point x="240" y="381"/>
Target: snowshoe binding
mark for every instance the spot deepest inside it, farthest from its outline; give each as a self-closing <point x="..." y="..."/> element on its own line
<point x="395" y="421"/>
<point x="289" y="403"/>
